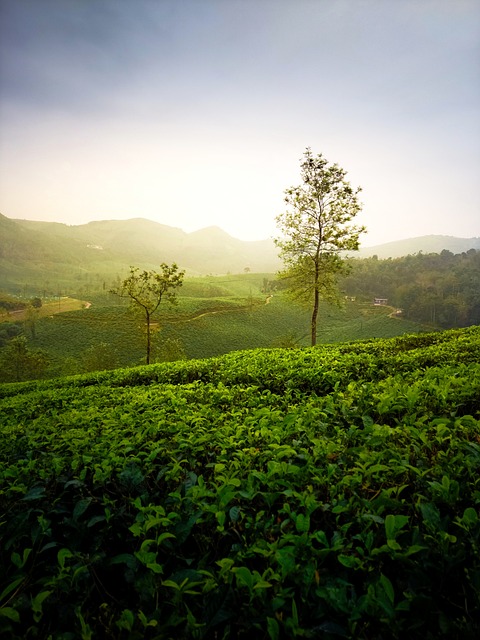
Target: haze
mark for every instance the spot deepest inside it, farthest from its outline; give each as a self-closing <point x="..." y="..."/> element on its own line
<point x="196" y="113"/>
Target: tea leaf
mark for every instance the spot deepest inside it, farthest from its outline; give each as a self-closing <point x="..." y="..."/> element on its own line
<point x="9" y="612"/>
<point x="234" y="514"/>
<point x="273" y="629"/>
<point x="388" y="587"/>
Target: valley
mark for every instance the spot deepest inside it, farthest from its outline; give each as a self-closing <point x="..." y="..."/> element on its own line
<point x="101" y="332"/>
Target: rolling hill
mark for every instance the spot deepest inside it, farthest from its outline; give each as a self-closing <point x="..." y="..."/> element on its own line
<point x="32" y="251"/>
<point x="424" y="244"/>
<point x="110" y="246"/>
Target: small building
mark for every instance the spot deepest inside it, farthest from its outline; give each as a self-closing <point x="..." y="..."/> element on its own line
<point x="378" y="302"/>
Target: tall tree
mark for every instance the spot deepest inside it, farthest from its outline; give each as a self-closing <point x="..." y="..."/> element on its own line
<point x="147" y="289"/>
<point x="315" y="230"/>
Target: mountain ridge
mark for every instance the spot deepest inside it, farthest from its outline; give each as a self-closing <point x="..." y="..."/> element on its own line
<point x="432" y="243"/>
<point x="116" y="244"/>
<point x="42" y="250"/>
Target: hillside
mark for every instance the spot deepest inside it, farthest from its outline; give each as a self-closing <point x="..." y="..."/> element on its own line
<point x="213" y="315"/>
<point x="36" y="253"/>
<point x="424" y="244"/>
<point x="202" y="328"/>
<point x="317" y="493"/>
<point x="110" y="246"/>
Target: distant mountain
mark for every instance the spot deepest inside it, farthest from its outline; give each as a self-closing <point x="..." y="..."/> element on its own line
<point x="51" y="252"/>
<point x="113" y="245"/>
<point x="424" y="244"/>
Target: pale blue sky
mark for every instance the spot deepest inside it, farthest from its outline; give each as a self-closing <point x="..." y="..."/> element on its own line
<point x="197" y="112"/>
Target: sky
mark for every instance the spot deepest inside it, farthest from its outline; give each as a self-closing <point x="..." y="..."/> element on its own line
<point x="195" y="113"/>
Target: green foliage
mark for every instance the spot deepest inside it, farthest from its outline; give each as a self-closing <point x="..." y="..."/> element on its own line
<point x="98" y="358"/>
<point x="169" y="350"/>
<point x="9" y="330"/>
<point x="10" y="303"/>
<point x="71" y="338"/>
<point x="147" y="289"/>
<point x="30" y="319"/>
<point x="439" y="289"/>
<point x="19" y="362"/>
<point x="202" y="327"/>
<point x="251" y="313"/>
<point x="328" y="492"/>
<point x="315" y="230"/>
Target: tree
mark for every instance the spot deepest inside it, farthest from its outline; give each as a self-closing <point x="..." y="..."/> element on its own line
<point x="316" y="229"/>
<point x="30" y="319"/>
<point x="147" y="289"/>
<point x="98" y="357"/>
<point x="171" y="349"/>
<point x="9" y="330"/>
<point x="19" y="362"/>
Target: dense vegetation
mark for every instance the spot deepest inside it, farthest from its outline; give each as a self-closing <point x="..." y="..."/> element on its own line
<point x="107" y="335"/>
<point x="8" y="303"/>
<point x="442" y="289"/>
<point x="328" y="492"/>
<point x="217" y="315"/>
<point x="51" y="259"/>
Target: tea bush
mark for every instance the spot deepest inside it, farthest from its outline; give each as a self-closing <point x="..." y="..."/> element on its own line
<point x="318" y="493"/>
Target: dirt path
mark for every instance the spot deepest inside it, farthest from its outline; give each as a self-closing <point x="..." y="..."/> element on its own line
<point x="214" y="312"/>
<point x="48" y="309"/>
<point x="207" y="313"/>
<point x="396" y="313"/>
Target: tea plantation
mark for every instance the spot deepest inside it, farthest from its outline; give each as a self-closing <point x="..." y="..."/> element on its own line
<point x="313" y="493"/>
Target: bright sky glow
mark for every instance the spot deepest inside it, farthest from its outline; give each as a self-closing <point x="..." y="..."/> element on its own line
<point x="196" y="112"/>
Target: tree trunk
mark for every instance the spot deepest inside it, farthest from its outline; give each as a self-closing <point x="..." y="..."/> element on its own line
<point x="313" y="323"/>
<point x="147" y="315"/>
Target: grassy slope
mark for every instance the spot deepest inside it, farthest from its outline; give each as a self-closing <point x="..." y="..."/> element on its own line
<point x="217" y="316"/>
<point x="263" y="494"/>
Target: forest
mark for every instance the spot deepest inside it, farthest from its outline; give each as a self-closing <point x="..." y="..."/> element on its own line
<point x="441" y="289"/>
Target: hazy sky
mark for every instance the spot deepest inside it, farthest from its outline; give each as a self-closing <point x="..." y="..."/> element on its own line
<point x="197" y="112"/>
